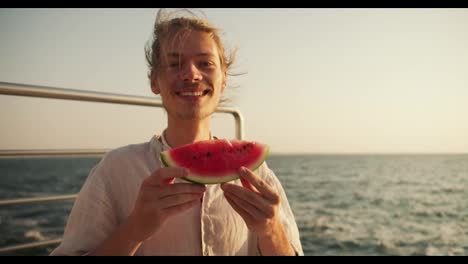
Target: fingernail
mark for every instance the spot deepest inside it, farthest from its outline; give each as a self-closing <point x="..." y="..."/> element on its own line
<point x="224" y="186"/>
<point x="242" y="170"/>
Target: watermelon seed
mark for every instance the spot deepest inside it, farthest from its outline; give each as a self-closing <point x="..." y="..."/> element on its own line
<point x="194" y="157"/>
<point x="208" y="154"/>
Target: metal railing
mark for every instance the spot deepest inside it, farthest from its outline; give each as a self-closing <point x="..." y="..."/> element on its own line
<point x="76" y="95"/>
<point x="89" y="96"/>
<point x="51" y="152"/>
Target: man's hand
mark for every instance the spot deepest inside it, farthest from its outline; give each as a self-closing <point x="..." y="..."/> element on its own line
<point x="159" y="199"/>
<point x="257" y="203"/>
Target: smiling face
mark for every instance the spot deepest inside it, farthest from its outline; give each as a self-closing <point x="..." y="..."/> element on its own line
<point x="190" y="77"/>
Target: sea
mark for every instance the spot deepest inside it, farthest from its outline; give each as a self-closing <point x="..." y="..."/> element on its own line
<point x="367" y="205"/>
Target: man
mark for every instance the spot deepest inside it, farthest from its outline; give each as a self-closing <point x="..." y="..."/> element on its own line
<point x="131" y="205"/>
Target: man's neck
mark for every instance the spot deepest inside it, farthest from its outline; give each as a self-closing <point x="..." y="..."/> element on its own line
<point x="185" y="132"/>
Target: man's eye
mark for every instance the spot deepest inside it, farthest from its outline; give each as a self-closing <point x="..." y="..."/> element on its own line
<point x="206" y="63"/>
<point x="173" y="64"/>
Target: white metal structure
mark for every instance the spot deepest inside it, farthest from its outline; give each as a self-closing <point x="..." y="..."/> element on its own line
<point x="76" y="95"/>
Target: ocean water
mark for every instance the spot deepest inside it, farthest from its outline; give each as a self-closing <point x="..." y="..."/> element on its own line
<point x="344" y="204"/>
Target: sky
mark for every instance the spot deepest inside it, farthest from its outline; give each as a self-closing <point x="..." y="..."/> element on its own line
<point x="316" y="80"/>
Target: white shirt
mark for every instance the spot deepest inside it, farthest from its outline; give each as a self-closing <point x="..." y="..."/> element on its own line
<point x="211" y="228"/>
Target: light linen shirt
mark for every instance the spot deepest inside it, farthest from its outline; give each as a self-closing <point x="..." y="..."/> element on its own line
<point x="212" y="228"/>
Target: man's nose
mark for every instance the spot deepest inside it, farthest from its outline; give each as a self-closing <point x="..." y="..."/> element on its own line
<point x="190" y="73"/>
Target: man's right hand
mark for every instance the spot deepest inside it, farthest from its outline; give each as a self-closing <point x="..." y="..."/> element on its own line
<point x="158" y="199"/>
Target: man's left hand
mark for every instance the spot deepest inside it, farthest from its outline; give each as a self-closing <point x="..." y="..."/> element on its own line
<point x="257" y="203"/>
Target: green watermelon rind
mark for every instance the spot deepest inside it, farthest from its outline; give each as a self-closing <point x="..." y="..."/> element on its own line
<point x="167" y="161"/>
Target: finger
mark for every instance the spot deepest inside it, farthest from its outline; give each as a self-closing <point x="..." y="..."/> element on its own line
<point x="257" y="201"/>
<point x="167" y="181"/>
<point x="247" y="185"/>
<point x="260" y="184"/>
<point x="180" y="208"/>
<point x="175" y="200"/>
<point x="245" y="207"/>
<point x="181" y="188"/>
<point x="162" y="174"/>
<point x="246" y="216"/>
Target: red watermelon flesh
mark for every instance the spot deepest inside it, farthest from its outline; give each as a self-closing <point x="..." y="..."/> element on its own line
<point x="216" y="161"/>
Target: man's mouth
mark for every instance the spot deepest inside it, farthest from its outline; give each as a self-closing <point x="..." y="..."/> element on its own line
<point x="193" y="93"/>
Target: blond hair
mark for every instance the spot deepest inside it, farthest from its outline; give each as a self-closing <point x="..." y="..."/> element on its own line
<point x="166" y="28"/>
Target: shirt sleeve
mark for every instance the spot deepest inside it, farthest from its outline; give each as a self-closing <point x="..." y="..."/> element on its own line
<point x="92" y="217"/>
<point x="285" y="211"/>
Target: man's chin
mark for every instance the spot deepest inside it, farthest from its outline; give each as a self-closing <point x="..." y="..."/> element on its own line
<point x="195" y="115"/>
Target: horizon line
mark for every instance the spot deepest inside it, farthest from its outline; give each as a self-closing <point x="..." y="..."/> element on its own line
<point x="367" y="153"/>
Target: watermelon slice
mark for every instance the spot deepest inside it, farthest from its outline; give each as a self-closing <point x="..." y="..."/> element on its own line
<point x="216" y="161"/>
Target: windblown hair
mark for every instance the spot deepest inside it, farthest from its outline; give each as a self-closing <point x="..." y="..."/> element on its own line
<point x="168" y="26"/>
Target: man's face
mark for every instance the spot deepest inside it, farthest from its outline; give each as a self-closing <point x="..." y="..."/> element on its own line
<point x="190" y="78"/>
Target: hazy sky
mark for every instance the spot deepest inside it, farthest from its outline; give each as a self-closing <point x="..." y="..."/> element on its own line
<point x="318" y="80"/>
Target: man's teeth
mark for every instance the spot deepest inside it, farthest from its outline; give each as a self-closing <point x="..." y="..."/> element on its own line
<point x="191" y="93"/>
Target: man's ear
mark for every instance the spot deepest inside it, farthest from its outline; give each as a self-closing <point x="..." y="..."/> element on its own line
<point x="154" y="83"/>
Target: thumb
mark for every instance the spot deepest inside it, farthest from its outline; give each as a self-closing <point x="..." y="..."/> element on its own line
<point x="247" y="184"/>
